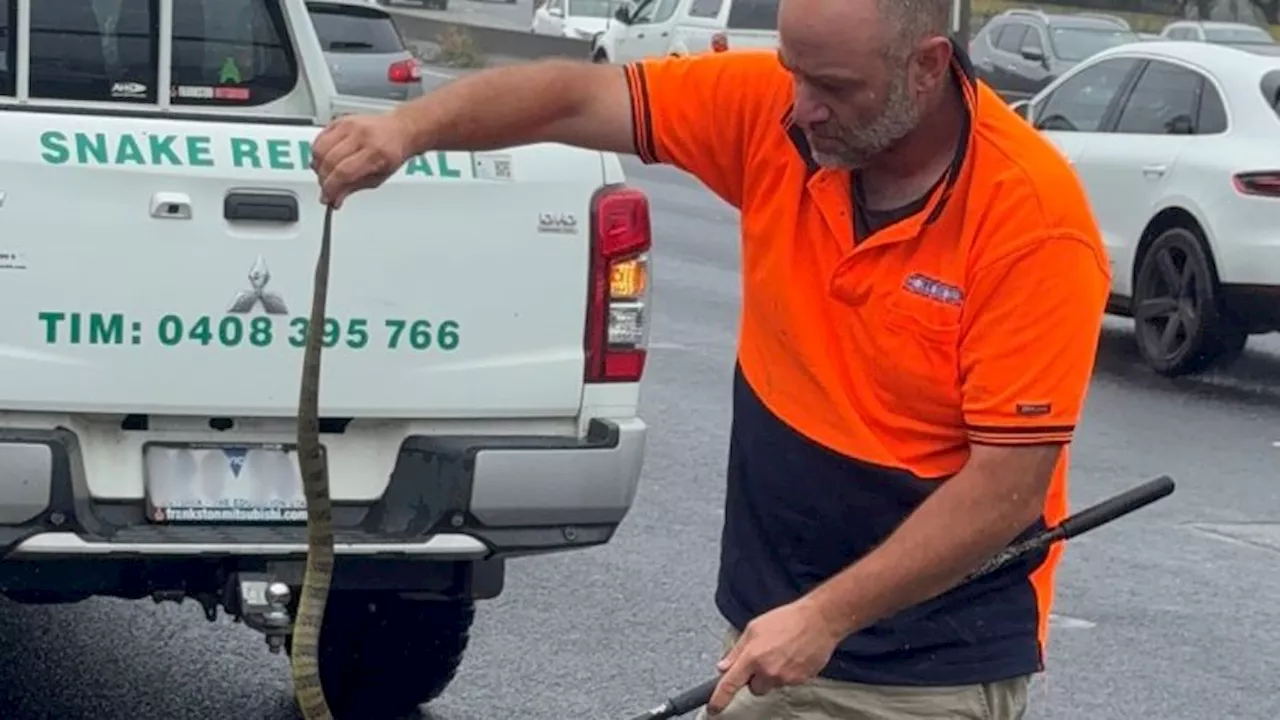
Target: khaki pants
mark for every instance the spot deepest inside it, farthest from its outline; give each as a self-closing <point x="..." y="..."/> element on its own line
<point x="824" y="699"/>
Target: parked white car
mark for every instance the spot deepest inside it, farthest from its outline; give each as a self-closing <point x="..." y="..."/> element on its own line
<point x="581" y="19"/>
<point x="1223" y="33"/>
<point x="1176" y="145"/>
<point x="653" y="28"/>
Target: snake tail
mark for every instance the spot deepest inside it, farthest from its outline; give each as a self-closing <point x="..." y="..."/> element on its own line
<point x="318" y="577"/>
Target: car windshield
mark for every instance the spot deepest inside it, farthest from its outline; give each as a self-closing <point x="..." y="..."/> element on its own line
<point x="591" y="8"/>
<point x="347" y="29"/>
<point x="1238" y="35"/>
<point x="1075" y="43"/>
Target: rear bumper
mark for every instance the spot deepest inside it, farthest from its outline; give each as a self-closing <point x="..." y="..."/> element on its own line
<point x="449" y="498"/>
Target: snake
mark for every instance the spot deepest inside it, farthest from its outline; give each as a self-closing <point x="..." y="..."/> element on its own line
<point x="314" y="468"/>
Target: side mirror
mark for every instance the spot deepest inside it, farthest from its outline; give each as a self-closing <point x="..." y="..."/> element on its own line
<point x="1022" y="108"/>
<point x="622" y="16"/>
<point x="1034" y="54"/>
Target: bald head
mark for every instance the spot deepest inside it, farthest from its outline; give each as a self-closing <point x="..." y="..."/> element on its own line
<point x="910" y="21"/>
<point x="888" y="24"/>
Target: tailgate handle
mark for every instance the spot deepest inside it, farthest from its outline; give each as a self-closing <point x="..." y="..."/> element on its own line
<point x="260" y="206"/>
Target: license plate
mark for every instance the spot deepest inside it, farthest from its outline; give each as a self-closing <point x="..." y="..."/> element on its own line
<point x="216" y="483"/>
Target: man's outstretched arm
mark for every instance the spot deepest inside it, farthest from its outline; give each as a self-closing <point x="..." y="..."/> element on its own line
<point x="574" y="103"/>
<point x="698" y="113"/>
<point x="562" y="101"/>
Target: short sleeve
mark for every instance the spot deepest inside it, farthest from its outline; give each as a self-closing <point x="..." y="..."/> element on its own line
<point x="701" y="113"/>
<point x="1030" y="340"/>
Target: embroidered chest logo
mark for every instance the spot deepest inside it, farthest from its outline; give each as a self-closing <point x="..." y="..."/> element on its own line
<point x="937" y="290"/>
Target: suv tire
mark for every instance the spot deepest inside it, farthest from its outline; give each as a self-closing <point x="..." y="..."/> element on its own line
<point x="383" y="655"/>
<point x="1175" y="284"/>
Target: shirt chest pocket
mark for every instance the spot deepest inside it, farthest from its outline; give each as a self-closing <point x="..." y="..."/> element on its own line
<point x="915" y="353"/>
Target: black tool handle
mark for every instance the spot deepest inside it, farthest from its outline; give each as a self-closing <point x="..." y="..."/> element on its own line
<point x="682" y="704"/>
<point x="693" y="698"/>
<point x="1082" y="522"/>
<point x="1116" y="507"/>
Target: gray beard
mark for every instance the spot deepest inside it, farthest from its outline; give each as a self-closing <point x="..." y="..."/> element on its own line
<point x="866" y="143"/>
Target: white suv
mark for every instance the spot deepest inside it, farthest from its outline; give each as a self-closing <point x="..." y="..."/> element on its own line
<point x="1175" y="144"/>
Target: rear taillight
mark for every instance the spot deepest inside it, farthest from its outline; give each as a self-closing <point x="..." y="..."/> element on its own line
<point x="405" y="71"/>
<point x="719" y="42"/>
<point x="1264" y="184"/>
<point x="617" y="309"/>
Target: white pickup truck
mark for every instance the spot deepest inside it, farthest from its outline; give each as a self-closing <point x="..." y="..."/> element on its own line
<point x="654" y="28"/>
<point x="159" y="226"/>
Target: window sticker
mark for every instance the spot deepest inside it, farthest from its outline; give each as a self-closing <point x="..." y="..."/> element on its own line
<point x="229" y="74"/>
<point x="129" y="90"/>
<point x="231" y="93"/>
<point x="198" y="92"/>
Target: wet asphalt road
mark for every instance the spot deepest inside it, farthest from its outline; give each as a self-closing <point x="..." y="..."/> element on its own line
<point x="1168" y="614"/>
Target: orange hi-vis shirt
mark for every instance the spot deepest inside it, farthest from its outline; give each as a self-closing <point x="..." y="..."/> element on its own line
<point x="868" y="366"/>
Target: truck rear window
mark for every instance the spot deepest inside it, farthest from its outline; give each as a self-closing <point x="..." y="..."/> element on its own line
<point x="349" y="29"/>
<point x="225" y="52"/>
<point x="231" y="52"/>
<point x="88" y="50"/>
<point x="753" y="15"/>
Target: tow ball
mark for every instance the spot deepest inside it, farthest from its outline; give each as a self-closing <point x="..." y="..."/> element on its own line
<point x="264" y="606"/>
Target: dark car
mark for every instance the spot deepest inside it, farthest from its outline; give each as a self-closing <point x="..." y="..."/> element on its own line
<point x="1019" y="52"/>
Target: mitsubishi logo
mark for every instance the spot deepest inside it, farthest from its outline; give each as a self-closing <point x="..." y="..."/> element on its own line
<point x="246" y="300"/>
<point x="235" y="459"/>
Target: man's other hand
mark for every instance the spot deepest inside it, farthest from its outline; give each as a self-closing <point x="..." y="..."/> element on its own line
<point x="786" y="646"/>
<point x="358" y="152"/>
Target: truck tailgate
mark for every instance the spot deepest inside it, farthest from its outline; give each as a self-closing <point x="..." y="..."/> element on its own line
<point x="165" y="266"/>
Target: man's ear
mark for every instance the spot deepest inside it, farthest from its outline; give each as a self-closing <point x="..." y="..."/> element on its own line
<point x="932" y="64"/>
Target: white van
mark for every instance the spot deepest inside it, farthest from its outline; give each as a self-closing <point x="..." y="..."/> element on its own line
<point x="646" y="28"/>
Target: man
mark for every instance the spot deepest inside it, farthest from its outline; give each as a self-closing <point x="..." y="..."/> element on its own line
<point x="924" y="287"/>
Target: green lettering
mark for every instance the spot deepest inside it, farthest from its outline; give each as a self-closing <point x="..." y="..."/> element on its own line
<point x="304" y="154"/>
<point x="51" y="321"/>
<point x="201" y="331"/>
<point x="170" y="330"/>
<point x="260" y="331"/>
<point x="106" y="329"/>
<point x="95" y="146"/>
<point x="442" y="160"/>
<point x="418" y="165"/>
<point x="76" y="324"/>
<point x="55" y="150"/>
<point x="128" y="152"/>
<point x="299" y="327"/>
<point x="278" y="155"/>
<point x="447" y="335"/>
<point x="199" y="152"/>
<point x="162" y="150"/>
<point x="231" y="330"/>
<point x="245" y="150"/>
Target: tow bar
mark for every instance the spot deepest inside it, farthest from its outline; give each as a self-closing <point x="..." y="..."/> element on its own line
<point x="264" y="606"/>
